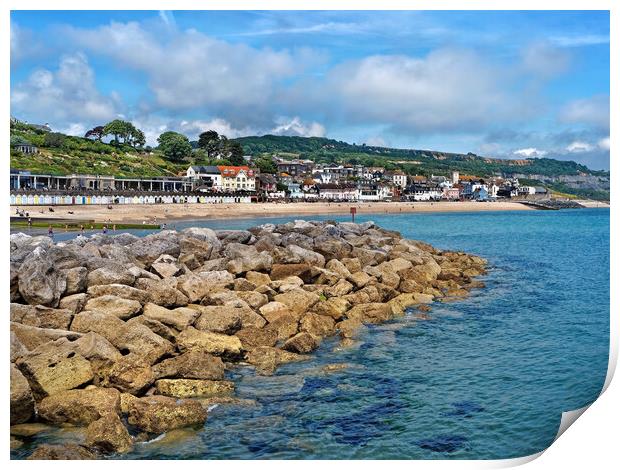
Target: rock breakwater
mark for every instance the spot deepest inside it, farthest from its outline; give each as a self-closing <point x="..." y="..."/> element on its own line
<point x="131" y="337"/>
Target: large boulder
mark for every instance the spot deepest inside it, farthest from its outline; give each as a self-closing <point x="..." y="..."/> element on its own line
<point x="74" y="303"/>
<point x="22" y="402"/>
<point x="284" y="326"/>
<point x="245" y="258"/>
<point x="81" y="407"/>
<point x="301" y="343"/>
<point x="17" y="347"/>
<point x="191" y="388"/>
<point x="370" y="313"/>
<point x="253" y="337"/>
<point x="53" y="368"/>
<point x="267" y="359"/>
<point x="111" y="273"/>
<point x="62" y="452"/>
<point x="282" y="271"/>
<point x="193" y="364"/>
<point x="120" y="290"/>
<point x="297" y="300"/>
<point x="219" y="319"/>
<point x="163" y="292"/>
<point x="40" y="282"/>
<point x="31" y="336"/>
<point x="108" y="434"/>
<point x="130" y="374"/>
<point x="258" y="279"/>
<point x="197" y="285"/>
<point x="166" y="266"/>
<point x="254" y="299"/>
<point x="213" y="343"/>
<point x="149" y="248"/>
<point x="179" y="318"/>
<point x="273" y="310"/>
<point x="201" y="250"/>
<point x="76" y="280"/>
<point x="334" y="307"/>
<point x="332" y="247"/>
<point x="128" y="338"/>
<point x="114" y="305"/>
<point x="317" y="325"/>
<point x="306" y="256"/>
<point x="42" y="317"/>
<point x="159" y="414"/>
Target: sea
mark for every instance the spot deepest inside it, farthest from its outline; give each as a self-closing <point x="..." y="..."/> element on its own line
<point x="484" y="378"/>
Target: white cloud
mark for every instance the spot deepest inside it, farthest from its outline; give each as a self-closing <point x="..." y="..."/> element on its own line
<point x="64" y="95"/>
<point x="579" y="146"/>
<point x="74" y="128"/>
<point x="331" y="27"/>
<point x="545" y="60"/>
<point x="530" y="152"/>
<point x="190" y="70"/>
<point x="580" y="40"/>
<point x="296" y="127"/>
<point x="589" y="111"/>
<point x="448" y="90"/>
<point x="604" y="143"/>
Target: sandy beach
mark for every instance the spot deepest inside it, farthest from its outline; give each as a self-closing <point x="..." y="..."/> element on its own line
<point x="159" y="213"/>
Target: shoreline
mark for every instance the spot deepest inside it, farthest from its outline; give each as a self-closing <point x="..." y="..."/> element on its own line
<point x="164" y="213"/>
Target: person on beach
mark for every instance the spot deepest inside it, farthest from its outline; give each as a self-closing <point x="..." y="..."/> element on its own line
<point x="29" y="222"/>
<point x="82" y="230"/>
<point x="50" y="232"/>
<point x="114" y="228"/>
<point x="105" y="229"/>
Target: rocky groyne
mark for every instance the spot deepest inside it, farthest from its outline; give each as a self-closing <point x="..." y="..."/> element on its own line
<point x="130" y="337"/>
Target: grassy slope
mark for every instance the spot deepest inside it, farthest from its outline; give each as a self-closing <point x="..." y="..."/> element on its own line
<point x="79" y="155"/>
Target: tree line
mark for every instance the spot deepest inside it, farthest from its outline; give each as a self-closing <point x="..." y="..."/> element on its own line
<point x="176" y="147"/>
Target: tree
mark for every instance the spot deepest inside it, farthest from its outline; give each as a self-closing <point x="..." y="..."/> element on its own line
<point x="235" y="153"/>
<point x="137" y="138"/>
<point x="117" y="128"/>
<point x="266" y="165"/>
<point x="210" y="142"/>
<point x="96" y="132"/>
<point x="174" y="146"/>
<point x="53" y="139"/>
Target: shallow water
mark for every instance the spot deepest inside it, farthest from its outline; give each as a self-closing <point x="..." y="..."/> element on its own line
<point x="487" y="377"/>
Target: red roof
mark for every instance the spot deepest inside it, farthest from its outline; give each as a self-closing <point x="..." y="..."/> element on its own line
<point x="232" y="171"/>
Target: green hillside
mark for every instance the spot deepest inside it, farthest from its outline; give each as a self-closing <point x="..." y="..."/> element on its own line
<point x="423" y="162"/>
<point x="60" y="154"/>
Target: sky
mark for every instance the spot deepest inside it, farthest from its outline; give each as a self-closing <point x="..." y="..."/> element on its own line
<point x="506" y="84"/>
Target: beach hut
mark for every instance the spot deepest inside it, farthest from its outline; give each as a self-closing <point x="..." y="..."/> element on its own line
<point x="13" y="198"/>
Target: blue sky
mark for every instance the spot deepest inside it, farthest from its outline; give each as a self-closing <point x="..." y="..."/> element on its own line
<point x="500" y="84"/>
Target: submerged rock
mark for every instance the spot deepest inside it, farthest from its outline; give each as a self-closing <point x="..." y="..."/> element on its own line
<point x="158" y="414"/>
<point x="62" y="452"/>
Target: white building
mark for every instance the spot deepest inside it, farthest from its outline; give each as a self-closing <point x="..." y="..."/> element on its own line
<point x="209" y="176"/>
<point x="399" y="179"/>
<point x="337" y="192"/>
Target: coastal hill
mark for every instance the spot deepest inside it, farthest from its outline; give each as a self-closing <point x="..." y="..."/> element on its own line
<point x="60" y="154"/>
<point x="561" y="176"/>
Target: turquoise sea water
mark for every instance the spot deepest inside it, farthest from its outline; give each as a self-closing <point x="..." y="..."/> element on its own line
<point x="485" y="378"/>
